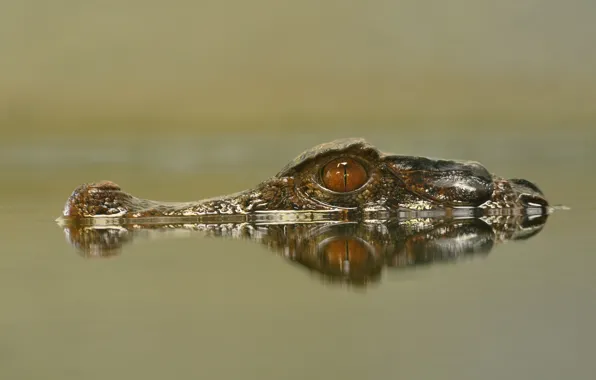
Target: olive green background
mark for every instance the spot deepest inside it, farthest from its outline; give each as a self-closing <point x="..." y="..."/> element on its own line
<point x="183" y="100"/>
<point x="195" y="67"/>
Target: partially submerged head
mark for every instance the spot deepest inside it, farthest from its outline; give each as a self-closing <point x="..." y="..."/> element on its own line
<point x="343" y="174"/>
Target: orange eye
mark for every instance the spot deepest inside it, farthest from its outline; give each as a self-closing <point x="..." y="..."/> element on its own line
<point x="343" y="175"/>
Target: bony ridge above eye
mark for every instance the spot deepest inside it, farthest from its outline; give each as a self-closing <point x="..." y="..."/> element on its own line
<point x="343" y="175"/>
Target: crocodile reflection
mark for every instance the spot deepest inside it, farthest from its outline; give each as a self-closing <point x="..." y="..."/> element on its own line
<point x="348" y="177"/>
<point x="355" y="253"/>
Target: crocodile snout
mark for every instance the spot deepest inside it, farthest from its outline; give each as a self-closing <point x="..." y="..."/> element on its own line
<point x="96" y="198"/>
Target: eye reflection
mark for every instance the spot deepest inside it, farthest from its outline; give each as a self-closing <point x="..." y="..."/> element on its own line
<point x="343" y="175"/>
<point x="345" y="255"/>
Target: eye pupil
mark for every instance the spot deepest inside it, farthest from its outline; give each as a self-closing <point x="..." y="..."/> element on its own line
<point x="343" y="175"/>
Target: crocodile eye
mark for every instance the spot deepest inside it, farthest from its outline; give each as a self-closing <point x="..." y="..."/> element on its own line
<point x="344" y="174"/>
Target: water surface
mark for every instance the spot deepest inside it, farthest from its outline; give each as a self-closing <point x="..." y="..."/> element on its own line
<point x="196" y="307"/>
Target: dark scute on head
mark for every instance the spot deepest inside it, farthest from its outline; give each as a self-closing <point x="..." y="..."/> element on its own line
<point x="409" y="163"/>
<point x="355" y="146"/>
<point x="456" y="183"/>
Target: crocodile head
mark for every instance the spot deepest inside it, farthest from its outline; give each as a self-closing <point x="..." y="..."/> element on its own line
<point x="350" y="176"/>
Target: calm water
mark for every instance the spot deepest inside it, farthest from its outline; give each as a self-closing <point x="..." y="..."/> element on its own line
<point x="194" y="307"/>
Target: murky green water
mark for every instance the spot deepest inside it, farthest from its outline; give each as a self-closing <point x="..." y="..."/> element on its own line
<point x="194" y="307"/>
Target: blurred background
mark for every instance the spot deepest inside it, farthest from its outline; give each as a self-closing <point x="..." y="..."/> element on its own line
<point x="183" y="100"/>
<point x="198" y="67"/>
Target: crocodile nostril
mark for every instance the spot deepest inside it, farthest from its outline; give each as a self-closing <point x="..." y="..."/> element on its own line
<point x="104" y="185"/>
<point x="343" y="175"/>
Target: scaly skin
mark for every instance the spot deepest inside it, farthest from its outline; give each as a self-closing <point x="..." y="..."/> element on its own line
<point x="394" y="183"/>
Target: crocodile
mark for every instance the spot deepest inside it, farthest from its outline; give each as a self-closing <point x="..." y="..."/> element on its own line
<point x="347" y="179"/>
